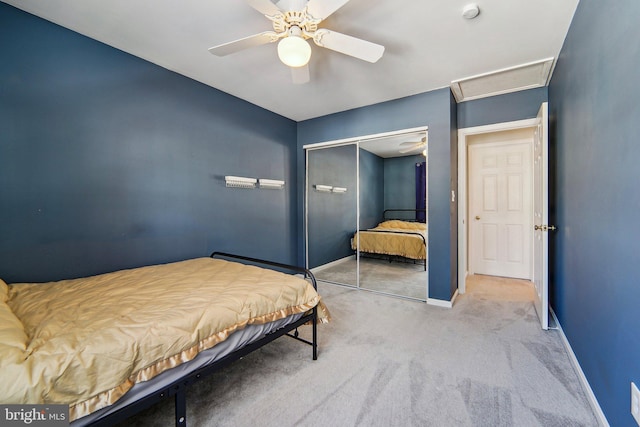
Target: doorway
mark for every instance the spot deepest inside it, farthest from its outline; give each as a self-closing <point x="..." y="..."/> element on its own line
<point x="506" y="134"/>
<point x="538" y="127"/>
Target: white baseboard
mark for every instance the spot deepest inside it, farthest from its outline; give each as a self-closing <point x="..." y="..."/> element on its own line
<point x="583" y="379"/>
<point x="332" y="263"/>
<point x="453" y="298"/>
<point x="443" y="303"/>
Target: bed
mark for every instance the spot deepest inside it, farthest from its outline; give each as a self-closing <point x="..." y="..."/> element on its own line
<point x="113" y="344"/>
<point x="397" y="239"/>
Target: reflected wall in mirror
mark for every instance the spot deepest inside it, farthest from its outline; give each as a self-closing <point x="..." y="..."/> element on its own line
<point x="331" y="213"/>
<point x="392" y="240"/>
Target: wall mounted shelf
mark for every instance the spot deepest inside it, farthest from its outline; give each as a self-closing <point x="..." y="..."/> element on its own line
<point x="240" y="182"/>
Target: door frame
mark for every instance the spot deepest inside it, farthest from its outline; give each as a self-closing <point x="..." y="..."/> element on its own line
<point x="463" y="145"/>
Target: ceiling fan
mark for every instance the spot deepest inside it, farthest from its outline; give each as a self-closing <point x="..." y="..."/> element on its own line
<point x="409" y="146"/>
<point x="295" y="21"/>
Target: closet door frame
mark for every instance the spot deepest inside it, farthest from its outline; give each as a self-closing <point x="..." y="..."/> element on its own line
<point x="349" y="141"/>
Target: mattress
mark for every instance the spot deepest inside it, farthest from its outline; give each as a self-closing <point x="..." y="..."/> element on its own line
<point x="87" y="342"/>
<point x="393" y="237"/>
<point x="236" y="341"/>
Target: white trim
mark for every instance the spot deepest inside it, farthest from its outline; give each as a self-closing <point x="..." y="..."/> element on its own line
<point x="331" y="264"/>
<point x="357" y="254"/>
<point x="518" y="124"/>
<point x="463" y="134"/>
<point x="583" y="379"/>
<point x="355" y="139"/>
<point x="443" y="303"/>
<point x="306" y="209"/>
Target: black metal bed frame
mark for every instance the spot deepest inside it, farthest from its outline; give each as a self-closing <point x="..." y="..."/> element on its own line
<point x="384" y="213"/>
<point x="177" y="389"/>
<point x="398" y="257"/>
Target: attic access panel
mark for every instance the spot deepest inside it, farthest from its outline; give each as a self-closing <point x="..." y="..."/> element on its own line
<point x="522" y="77"/>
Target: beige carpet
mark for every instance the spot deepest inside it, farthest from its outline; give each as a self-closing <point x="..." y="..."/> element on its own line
<point x="393" y="362"/>
<point x="499" y="288"/>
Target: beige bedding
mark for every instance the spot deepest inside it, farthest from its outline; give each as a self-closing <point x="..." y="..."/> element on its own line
<point x="85" y="342"/>
<point x="394" y="237"/>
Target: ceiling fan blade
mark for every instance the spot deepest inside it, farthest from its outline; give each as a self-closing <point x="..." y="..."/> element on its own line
<point x="423" y="141"/>
<point x="348" y="45"/>
<point x="245" y="43"/>
<point x="411" y="144"/>
<point x="411" y="148"/>
<point x="300" y="75"/>
<point x="321" y="9"/>
<point x="266" y="7"/>
<point x="408" y="150"/>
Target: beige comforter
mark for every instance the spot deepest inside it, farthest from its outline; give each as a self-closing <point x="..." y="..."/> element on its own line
<point x="85" y="342"/>
<point x="394" y="237"/>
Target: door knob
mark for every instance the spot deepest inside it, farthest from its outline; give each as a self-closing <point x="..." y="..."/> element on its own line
<point x="544" y="227"/>
<point x="477" y="216"/>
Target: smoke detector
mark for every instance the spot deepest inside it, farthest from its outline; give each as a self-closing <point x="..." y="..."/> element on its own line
<point x="470" y="11"/>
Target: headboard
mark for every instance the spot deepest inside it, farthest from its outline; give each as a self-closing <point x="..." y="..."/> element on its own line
<point x="402" y="214"/>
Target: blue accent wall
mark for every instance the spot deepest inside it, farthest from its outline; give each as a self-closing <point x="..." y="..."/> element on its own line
<point x="595" y="115"/>
<point x="501" y="108"/>
<point x="372" y="189"/>
<point x="400" y="184"/>
<point x="108" y="161"/>
<point x="433" y="109"/>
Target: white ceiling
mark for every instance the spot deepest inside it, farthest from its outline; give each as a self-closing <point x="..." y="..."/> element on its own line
<point x="399" y="145"/>
<point x="427" y="45"/>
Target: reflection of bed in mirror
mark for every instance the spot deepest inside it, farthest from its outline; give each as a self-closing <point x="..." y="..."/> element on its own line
<point x="399" y="237"/>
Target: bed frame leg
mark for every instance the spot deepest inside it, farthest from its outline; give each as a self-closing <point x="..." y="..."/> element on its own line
<point x="315" y="336"/>
<point x="181" y="408"/>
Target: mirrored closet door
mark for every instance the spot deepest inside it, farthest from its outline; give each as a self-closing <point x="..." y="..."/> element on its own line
<point x="332" y="213"/>
<point x="366" y="211"/>
<point x="392" y="240"/>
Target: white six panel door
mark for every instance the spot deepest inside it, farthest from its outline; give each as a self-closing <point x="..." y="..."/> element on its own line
<point x="541" y="216"/>
<point x="500" y="209"/>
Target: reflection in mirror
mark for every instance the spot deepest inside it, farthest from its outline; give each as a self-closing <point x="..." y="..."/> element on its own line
<point x="331" y="209"/>
<point x="392" y="240"/>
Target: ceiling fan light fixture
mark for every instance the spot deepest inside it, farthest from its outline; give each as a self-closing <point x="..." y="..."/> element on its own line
<point x="294" y="51"/>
